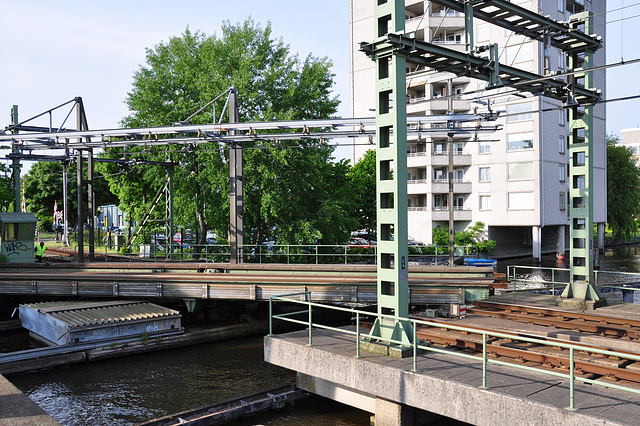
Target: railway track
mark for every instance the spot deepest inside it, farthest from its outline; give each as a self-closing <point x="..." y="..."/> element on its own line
<point x="602" y="325"/>
<point x="588" y="363"/>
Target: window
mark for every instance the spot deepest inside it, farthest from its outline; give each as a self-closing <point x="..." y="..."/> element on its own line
<point x="519" y="112"/>
<point x="561" y="5"/>
<point x="10" y="232"/>
<point x="561" y="144"/>
<point x="519" y="141"/>
<point x="485" y="174"/>
<point x="561" y="117"/>
<point x="520" y="200"/>
<point x="485" y="201"/>
<point x="440" y="175"/>
<point x="520" y="171"/>
<point x="562" y="172"/>
<point x="458" y="175"/>
<point x="484" y="147"/>
<point x="482" y="33"/>
<point x="440" y="201"/>
<point x="519" y="53"/>
<point x="562" y="201"/>
<point x="562" y="60"/>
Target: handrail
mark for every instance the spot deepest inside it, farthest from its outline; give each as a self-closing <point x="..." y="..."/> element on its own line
<point x="573" y="347"/>
<point x="514" y="276"/>
<point x="267" y="253"/>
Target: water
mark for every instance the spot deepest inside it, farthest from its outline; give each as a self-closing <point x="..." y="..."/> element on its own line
<point x="134" y="389"/>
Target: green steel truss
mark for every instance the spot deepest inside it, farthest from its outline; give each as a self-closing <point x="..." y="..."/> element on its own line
<point x="581" y="157"/>
<point x="391" y="172"/>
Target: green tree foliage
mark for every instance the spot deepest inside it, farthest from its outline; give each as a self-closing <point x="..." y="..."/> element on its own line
<point x="473" y="236"/>
<point x="293" y="192"/>
<point x="363" y="179"/>
<point x="623" y="189"/>
<point x="6" y="190"/>
<point x="43" y="186"/>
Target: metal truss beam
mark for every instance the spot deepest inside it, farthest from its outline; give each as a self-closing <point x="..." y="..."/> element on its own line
<point x="467" y="64"/>
<point x="528" y="23"/>
<point x="308" y="129"/>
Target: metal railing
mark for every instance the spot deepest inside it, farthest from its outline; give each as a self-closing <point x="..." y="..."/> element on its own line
<point x="550" y="278"/>
<point x="266" y="253"/>
<point x="417" y="346"/>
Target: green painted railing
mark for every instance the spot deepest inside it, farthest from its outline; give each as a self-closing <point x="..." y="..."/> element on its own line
<point x="270" y="253"/>
<point x="550" y="278"/>
<point x="417" y="346"/>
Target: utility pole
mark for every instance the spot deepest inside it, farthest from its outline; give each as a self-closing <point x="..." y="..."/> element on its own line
<point x="450" y="173"/>
<point x="236" y="195"/>
<point x="15" y="164"/>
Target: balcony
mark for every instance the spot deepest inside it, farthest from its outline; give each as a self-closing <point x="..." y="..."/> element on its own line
<point x="441" y="186"/>
<point x="444" y="18"/>
<point x="442" y="159"/>
<point x="441" y="213"/>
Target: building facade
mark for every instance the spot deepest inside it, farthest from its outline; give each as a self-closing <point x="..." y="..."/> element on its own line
<point x="515" y="181"/>
<point x="631" y="139"/>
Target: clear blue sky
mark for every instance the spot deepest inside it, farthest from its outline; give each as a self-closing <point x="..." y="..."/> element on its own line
<point x="53" y="51"/>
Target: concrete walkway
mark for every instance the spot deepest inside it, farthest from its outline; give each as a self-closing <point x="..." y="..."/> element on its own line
<point x="16" y="409"/>
<point x="447" y="385"/>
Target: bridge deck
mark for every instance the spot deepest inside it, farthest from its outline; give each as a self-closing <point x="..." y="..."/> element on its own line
<point x="445" y="385"/>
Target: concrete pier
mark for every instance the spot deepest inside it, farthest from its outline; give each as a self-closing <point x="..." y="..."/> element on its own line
<point x="16" y="409"/>
<point x="444" y="385"/>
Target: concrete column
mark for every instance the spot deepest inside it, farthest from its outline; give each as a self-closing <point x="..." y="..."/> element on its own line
<point x="392" y="413"/>
<point x="561" y="242"/>
<point x="536" y="238"/>
<point x="601" y="228"/>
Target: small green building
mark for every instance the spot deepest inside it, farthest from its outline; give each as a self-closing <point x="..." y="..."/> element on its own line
<point x="17" y="234"/>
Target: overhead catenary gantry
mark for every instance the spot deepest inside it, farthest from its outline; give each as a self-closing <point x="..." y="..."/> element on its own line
<point x="232" y="135"/>
<point x="392" y="48"/>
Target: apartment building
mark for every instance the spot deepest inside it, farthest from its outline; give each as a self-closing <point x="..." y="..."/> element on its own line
<point x="631" y="139"/>
<point x="515" y="181"/>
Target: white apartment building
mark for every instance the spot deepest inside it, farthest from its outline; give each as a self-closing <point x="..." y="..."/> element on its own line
<point x="631" y="139"/>
<point x="515" y="181"/>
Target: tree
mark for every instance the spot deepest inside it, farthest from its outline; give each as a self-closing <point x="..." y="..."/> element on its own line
<point x="43" y="186"/>
<point x="473" y="236"/>
<point x="363" y="179"/>
<point x="6" y="189"/>
<point x="287" y="194"/>
<point x="623" y="189"/>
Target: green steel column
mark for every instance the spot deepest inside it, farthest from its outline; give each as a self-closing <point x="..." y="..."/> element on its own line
<point x="391" y="172"/>
<point x="581" y="285"/>
<point x="15" y="164"/>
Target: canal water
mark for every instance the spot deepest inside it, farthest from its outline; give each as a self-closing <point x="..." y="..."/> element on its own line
<point x="134" y="389"/>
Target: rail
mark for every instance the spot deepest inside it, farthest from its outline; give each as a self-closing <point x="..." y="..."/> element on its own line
<point x="262" y="253"/>
<point x="549" y="278"/>
<point x="303" y="298"/>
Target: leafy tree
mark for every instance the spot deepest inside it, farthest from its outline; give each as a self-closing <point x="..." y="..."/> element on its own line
<point x="43" y="186"/>
<point x="623" y="189"/>
<point x="6" y="190"/>
<point x="472" y="236"/>
<point x="363" y="178"/>
<point x="289" y="188"/>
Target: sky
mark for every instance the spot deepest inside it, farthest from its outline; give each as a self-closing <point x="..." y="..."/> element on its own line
<point x="53" y="51"/>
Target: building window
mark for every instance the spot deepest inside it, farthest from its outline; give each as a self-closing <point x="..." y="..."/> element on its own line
<point x="562" y="172"/>
<point x="520" y="171"/>
<point x="561" y="5"/>
<point x="519" y="112"/>
<point x="485" y="174"/>
<point x="561" y="117"/>
<point x="482" y="33"/>
<point x="561" y="144"/>
<point x="440" y="201"/>
<point x="562" y="201"/>
<point x="485" y="201"/>
<point x="519" y="53"/>
<point x="562" y="60"/>
<point x="520" y="200"/>
<point x="519" y="141"/>
<point x="484" y="147"/>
